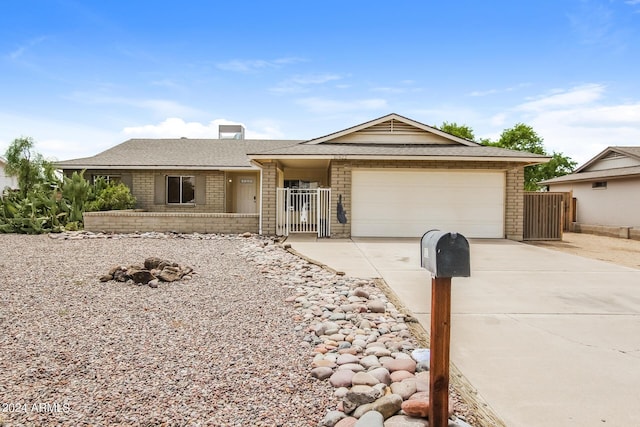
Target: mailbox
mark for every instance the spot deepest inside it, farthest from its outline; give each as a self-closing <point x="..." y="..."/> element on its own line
<point x="445" y="254"/>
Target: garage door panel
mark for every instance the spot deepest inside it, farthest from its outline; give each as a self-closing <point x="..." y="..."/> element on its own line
<point x="406" y="203"/>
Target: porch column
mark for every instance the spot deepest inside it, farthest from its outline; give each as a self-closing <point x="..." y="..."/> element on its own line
<point x="269" y="185"/>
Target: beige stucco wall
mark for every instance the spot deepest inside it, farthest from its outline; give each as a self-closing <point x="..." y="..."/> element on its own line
<point x="618" y="205"/>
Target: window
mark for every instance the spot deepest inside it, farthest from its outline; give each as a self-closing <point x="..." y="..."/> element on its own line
<point x="181" y="189"/>
<point x="115" y="179"/>
<point x="599" y="184"/>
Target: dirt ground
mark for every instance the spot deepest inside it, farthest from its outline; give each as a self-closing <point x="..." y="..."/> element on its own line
<point x="624" y="252"/>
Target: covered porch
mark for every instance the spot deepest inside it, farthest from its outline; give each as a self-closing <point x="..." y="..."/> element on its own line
<point x="303" y="197"/>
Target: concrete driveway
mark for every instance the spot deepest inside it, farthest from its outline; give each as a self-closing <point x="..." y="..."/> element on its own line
<point x="547" y="338"/>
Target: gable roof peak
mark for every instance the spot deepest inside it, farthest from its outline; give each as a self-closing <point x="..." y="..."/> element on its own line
<point x="392" y="125"/>
<point x="626" y="151"/>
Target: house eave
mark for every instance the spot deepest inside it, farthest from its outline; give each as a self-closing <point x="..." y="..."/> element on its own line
<point x="158" y="167"/>
<point x="527" y="160"/>
<point x="588" y="179"/>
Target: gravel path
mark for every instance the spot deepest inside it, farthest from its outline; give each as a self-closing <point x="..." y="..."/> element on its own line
<point x="219" y="349"/>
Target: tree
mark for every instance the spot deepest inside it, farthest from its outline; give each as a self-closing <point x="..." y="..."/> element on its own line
<point x="462" y="131"/>
<point x="27" y="165"/>
<point x="523" y="138"/>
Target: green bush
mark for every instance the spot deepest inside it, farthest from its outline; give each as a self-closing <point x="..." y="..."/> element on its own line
<point x="111" y="197"/>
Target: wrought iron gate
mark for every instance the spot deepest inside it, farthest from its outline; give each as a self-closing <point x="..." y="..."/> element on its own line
<point x="303" y="211"/>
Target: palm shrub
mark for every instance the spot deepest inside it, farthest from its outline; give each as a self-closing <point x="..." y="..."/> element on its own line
<point x="75" y="191"/>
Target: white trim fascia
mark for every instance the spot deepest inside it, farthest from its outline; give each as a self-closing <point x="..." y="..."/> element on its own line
<point x="537" y="160"/>
<point x="162" y="167"/>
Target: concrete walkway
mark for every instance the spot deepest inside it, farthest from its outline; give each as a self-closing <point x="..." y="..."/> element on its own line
<point x="547" y="338"/>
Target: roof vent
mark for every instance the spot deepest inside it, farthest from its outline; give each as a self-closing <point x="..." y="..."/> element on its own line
<point x="230" y="132"/>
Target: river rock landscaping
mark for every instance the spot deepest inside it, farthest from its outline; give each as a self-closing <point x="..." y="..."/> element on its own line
<point x="259" y="336"/>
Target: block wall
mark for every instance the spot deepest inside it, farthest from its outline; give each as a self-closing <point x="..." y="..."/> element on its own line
<point x="134" y="221"/>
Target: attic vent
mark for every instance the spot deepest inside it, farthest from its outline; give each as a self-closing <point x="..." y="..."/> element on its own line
<point x="230" y="132"/>
<point x="612" y="155"/>
<point x="392" y="126"/>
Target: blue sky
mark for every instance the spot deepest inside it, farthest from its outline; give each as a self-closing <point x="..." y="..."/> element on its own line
<point x="82" y="76"/>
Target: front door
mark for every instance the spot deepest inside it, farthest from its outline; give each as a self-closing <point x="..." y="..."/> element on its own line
<point x="246" y="194"/>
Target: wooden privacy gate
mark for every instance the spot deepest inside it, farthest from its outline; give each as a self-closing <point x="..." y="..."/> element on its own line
<point x="544" y="215"/>
<point x="303" y="211"/>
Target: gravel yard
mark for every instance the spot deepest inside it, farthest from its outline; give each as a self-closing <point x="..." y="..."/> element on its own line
<point x="624" y="252"/>
<point x="219" y="349"/>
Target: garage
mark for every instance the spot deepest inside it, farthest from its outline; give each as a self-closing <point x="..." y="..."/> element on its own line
<point x="407" y="203"/>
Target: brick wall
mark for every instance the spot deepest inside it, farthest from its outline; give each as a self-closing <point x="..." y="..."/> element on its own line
<point x="269" y="185"/>
<point x="340" y="186"/>
<point x="143" y="188"/>
<point x="514" y="204"/>
<point x="132" y="221"/>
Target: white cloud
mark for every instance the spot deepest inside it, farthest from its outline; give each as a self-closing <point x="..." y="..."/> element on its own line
<point x="324" y="105"/>
<point x="300" y="83"/>
<point x="477" y="93"/>
<point x="253" y="65"/>
<point x="580" y="122"/>
<point x="175" y="127"/>
<point x="565" y="98"/>
<point x="498" y="119"/>
<point x="20" y="50"/>
<point x="159" y="107"/>
<point x="56" y="139"/>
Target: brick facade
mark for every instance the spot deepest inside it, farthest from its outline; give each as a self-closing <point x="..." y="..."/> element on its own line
<point x="144" y="187"/>
<point x="269" y="186"/>
<point x="210" y="217"/>
<point x="134" y="221"/>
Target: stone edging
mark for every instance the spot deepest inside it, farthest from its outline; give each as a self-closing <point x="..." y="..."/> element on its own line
<point x="469" y="395"/>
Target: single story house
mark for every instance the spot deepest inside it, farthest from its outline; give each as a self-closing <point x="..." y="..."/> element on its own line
<point x="6" y="180"/>
<point x="391" y="176"/>
<point x="605" y="190"/>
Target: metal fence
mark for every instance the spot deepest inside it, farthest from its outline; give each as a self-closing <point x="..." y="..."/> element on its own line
<point x="303" y="211"/>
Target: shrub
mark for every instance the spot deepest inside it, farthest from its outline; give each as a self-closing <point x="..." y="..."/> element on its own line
<point x="111" y="197"/>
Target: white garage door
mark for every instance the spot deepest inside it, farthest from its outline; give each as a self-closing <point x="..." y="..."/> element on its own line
<point x="407" y="203"/>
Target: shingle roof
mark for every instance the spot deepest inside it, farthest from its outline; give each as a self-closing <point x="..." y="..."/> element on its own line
<point x="183" y="152"/>
<point x="595" y="175"/>
<point x="580" y="174"/>
<point x="397" y="150"/>
<point x="633" y="152"/>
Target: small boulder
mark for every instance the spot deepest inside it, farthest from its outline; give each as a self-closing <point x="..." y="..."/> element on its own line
<point x="170" y="274"/>
<point x="371" y="419"/>
<point x="141" y="276"/>
<point x="341" y="378"/>
<point x="322" y="372"/>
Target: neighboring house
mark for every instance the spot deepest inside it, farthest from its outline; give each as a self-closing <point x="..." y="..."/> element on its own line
<point x="606" y="188"/>
<point x="5" y="179"/>
<point x="391" y="176"/>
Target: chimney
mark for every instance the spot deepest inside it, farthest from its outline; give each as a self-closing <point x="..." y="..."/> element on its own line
<point x="230" y="132"/>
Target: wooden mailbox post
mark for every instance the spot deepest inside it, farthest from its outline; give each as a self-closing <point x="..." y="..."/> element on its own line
<point x="445" y="255"/>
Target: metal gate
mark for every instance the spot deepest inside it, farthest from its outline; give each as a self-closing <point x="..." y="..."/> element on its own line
<point x="303" y="211"/>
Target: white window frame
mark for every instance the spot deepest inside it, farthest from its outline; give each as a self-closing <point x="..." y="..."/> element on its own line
<point x="108" y="178"/>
